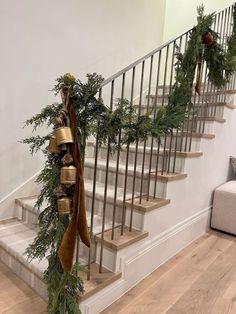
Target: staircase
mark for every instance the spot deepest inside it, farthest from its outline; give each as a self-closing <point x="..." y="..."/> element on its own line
<point x="138" y="199"/>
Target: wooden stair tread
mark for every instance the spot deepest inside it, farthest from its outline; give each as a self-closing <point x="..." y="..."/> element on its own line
<point x="146" y="206"/>
<point x="121" y="241"/>
<point x="198" y="105"/>
<point x="169" y="177"/>
<point x="211" y="119"/>
<point x="97" y="281"/>
<point x="195" y="135"/>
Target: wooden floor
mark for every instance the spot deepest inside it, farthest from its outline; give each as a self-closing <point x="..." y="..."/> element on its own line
<point x="201" y="279"/>
<point x="16" y="297"/>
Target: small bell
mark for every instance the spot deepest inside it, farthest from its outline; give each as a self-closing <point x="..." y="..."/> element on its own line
<point x="68" y="175"/>
<point x="64" y="205"/>
<point x="52" y="147"/>
<point x="63" y="135"/>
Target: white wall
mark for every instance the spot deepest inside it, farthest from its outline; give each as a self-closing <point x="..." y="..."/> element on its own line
<point x="181" y="15"/>
<point x="41" y="40"/>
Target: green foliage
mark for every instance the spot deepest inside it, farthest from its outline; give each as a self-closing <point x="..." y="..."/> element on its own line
<point x="63" y="288"/>
<point x="230" y="64"/>
<point x="116" y="127"/>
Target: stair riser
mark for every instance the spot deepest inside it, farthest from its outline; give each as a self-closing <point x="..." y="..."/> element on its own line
<point x="198" y="99"/>
<point x="216" y="111"/>
<point x="183" y="144"/>
<point x="30" y="219"/>
<point x="179" y="164"/>
<point x="101" y="177"/>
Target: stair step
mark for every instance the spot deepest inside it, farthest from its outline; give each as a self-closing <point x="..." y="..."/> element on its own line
<point x="211" y="119"/>
<point x="196" y="135"/>
<point x="147" y="205"/>
<point x="121" y="241"/>
<point x="169" y="177"/>
<point x="197" y="105"/>
<point x="29" y="205"/>
<point x="15" y="238"/>
<point x="140" y="149"/>
<point x="101" y="164"/>
<point x="98" y="280"/>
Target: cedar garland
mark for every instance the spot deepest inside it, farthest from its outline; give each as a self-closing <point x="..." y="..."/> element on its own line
<point x="57" y="233"/>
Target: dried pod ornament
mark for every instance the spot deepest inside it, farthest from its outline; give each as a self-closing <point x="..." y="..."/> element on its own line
<point x="208" y="39"/>
<point x="67" y="159"/>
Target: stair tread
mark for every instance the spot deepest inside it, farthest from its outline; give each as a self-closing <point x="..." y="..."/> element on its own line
<point x="196" y="135"/>
<point x="208" y="104"/>
<point x="147" y="205"/>
<point x="121" y="241"/>
<point x="169" y="177"/>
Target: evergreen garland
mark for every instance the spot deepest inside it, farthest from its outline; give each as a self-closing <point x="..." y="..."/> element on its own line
<point x="96" y="119"/>
<point x="230" y="64"/>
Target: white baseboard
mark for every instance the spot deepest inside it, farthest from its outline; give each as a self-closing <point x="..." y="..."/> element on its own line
<point x="152" y="253"/>
<point x="7" y="204"/>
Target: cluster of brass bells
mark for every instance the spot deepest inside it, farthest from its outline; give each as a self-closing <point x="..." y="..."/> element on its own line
<point x="61" y="136"/>
<point x="58" y="142"/>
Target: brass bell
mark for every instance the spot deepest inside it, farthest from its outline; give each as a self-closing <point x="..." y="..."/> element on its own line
<point x="52" y="147"/>
<point x="64" y="205"/>
<point x="68" y="175"/>
<point x="63" y="135"/>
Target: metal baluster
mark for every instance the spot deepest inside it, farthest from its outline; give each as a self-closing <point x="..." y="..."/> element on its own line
<point x="163" y="99"/>
<point x="183" y="128"/>
<point x="145" y="142"/>
<point x="127" y="160"/>
<point x="171" y="78"/>
<point x="152" y="139"/>
<point x="117" y="166"/>
<point x="93" y="199"/>
<point x="136" y="150"/>
<point x="105" y="187"/>
<point x="177" y="131"/>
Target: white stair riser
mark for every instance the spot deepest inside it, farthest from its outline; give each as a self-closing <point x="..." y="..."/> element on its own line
<point x="101" y="177"/>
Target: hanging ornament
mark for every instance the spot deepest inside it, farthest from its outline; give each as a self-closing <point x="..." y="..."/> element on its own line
<point x="63" y="135"/>
<point x="58" y="122"/>
<point x="52" y="147"/>
<point x="68" y="78"/>
<point x="64" y="205"/>
<point x="208" y="39"/>
<point x="67" y="159"/>
<point x="68" y="175"/>
<point x="60" y="191"/>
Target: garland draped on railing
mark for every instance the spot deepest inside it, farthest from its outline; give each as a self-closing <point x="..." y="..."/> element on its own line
<point x="88" y="116"/>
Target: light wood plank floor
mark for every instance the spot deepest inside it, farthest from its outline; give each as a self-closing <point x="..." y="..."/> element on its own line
<point x="201" y="279"/>
<point x="16" y="297"/>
